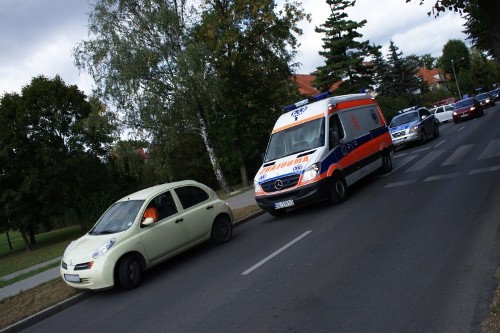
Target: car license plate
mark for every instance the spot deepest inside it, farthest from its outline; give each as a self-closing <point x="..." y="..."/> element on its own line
<point x="463" y="115"/>
<point x="72" y="278"/>
<point x="284" y="204"/>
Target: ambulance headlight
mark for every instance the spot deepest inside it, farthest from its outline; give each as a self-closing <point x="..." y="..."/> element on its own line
<point x="256" y="187"/>
<point x="311" y="172"/>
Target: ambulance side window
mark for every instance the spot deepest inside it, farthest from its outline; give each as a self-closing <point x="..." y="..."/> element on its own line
<point x="335" y="131"/>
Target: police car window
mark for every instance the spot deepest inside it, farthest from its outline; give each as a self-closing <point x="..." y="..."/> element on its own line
<point x="190" y="195"/>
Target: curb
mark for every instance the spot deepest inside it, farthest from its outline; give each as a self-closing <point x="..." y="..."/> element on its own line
<point x="32" y="320"/>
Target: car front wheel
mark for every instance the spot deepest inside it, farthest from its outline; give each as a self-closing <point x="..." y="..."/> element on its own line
<point x="423" y="137"/>
<point x="338" y="191"/>
<point x="129" y="272"/>
<point x="222" y="229"/>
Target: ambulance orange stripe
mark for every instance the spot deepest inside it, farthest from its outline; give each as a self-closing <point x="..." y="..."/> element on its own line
<point x="298" y="123"/>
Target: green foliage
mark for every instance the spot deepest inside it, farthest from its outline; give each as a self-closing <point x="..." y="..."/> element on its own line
<point x="52" y="146"/>
<point x="344" y="54"/>
<point x="397" y="76"/>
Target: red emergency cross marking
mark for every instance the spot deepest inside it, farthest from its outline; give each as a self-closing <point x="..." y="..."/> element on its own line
<point x="355" y="122"/>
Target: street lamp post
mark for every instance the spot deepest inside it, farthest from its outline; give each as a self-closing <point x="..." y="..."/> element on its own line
<point x="456" y="81"/>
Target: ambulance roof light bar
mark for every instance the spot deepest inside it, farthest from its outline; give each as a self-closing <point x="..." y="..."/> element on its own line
<point x="307" y="101"/>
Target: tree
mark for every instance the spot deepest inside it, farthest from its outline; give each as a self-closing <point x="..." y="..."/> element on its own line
<point x="401" y="78"/>
<point x="133" y="55"/>
<point x="48" y="136"/>
<point x="251" y="46"/>
<point x="427" y="61"/>
<point x="343" y="52"/>
<point x="454" y="52"/>
<point x="482" y="26"/>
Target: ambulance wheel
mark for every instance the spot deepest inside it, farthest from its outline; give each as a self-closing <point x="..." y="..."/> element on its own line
<point x="338" y="191"/>
<point x="277" y="212"/>
<point x="386" y="162"/>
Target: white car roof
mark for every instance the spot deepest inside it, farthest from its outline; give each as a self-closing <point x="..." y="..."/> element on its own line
<point x="154" y="190"/>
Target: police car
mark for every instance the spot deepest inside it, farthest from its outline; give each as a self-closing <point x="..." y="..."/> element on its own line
<point x="413" y="125"/>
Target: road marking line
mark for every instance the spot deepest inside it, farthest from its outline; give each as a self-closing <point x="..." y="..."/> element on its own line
<point x="439" y="144"/>
<point x="483" y="170"/>
<point x="402" y="164"/>
<point x="458" y="155"/>
<point x="446" y="176"/>
<point x="492" y="150"/>
<point x="266" y="259"/>
<point x="426" y="160"/>
<point x="406" y="182"/>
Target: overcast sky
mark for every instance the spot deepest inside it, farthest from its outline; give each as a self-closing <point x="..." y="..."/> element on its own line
<point x="38" y="36"/>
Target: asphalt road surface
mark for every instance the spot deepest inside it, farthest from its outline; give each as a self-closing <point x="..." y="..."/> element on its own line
<point x="411" y="251"/>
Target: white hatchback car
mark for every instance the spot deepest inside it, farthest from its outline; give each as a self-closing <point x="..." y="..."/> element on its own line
<point x="142" y="230"/>
<point x="443" y="113"/>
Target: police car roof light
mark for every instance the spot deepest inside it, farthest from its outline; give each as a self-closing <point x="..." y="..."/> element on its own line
<point x="307" y="101"/>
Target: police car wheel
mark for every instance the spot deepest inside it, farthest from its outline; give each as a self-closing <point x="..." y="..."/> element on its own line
<point x="338" y="192"/>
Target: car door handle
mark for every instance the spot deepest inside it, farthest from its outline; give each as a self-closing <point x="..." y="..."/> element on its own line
<point x="179" y="220"/>
<point x="210" y="207"/>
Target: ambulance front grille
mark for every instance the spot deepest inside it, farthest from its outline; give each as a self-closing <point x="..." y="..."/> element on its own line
<point x="281" y="183"/>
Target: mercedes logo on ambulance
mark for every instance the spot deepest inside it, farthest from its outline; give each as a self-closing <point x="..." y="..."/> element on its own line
<point x="278" y="184"/>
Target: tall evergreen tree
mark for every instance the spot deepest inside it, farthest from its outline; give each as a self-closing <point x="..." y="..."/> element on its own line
<point x="402" y="78"/>
<point x="343" y="51"/>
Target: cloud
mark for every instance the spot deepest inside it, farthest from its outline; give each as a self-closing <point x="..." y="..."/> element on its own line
<point x="406" y="24"/>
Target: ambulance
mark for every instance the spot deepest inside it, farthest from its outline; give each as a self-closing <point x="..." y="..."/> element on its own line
<point x="320" y="147"/>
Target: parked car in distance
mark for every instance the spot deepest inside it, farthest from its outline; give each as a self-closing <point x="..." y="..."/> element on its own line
<point x="443" y="113"/>
<point x="466" y="109"/>
<point x="486" y="100"/>
<point x="143" y="229"/>
<point x="413" y="125"/>
<point x="495" y="93"/>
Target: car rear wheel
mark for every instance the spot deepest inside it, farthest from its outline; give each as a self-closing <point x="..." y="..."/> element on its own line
<point x="338" y="191"/>
<point x="129" y="272"/>
<point x="436" y="131"/>
<point x="222" y="229"/>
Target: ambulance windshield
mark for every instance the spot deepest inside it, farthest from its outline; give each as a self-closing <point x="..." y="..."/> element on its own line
<point x="296" y="139"/>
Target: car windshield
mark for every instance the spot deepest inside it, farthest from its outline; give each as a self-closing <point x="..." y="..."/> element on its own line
<point x="119" y="217"/>
<point x="404" y="119"/>
<point x="296" y="139"/>
<point x="463" y="103"/>
<point x="483" y="96"/>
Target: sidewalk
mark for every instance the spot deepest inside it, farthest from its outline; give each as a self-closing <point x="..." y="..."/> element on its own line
<point x="243" y="199"/>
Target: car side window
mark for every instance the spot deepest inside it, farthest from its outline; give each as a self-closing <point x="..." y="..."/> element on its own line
<point x="335" y="130"/>
<point x="190" y="195"/>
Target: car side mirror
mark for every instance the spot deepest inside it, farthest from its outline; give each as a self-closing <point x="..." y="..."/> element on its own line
<point x="148" y="221"/>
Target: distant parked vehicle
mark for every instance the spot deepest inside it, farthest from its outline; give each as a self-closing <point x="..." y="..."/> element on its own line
<point x="466" y="109"/>
<point x="495" y="93"/>
<point x="486" y="100"/>
<point x="443" y="113"/>
<point x="413" y="125"/>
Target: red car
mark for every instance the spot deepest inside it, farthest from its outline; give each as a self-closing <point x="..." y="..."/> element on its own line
<point x="467" y="108"/>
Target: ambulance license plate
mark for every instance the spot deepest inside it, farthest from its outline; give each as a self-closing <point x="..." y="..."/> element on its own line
<point x="72" y="278"/>
<point x="284" y="204"/>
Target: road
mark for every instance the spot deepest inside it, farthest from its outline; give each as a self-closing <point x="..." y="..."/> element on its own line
<point x="411" y="251"/>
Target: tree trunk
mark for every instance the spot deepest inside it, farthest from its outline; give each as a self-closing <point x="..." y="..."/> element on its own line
<point x="211" y="154"/>
<point x="25" y="240"/>
<point x="79" y="216"/>
<point x="243" y="169"/>
<point x="8" y="240"/>
<point x="32" y="235"/>
<point x="489" y="10"/>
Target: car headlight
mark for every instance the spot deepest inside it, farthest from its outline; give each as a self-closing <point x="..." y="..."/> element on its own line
<point x="473" y="108"/>
<point x="413" y="129"/>
<point x="311" y="172"/>
<point x="256" y="187"/>
<point x="103" y="248"/>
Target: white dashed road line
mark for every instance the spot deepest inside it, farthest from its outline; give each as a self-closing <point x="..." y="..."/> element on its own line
<point x="274" y="254"/>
